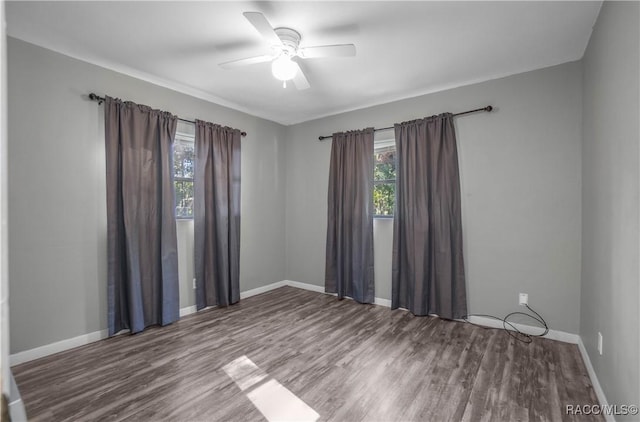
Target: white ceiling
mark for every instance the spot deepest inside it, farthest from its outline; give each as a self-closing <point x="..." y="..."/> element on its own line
<point x="404" y="49"/>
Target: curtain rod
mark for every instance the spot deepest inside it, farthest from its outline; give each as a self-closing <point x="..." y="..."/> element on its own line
<point x="100" y="100"/>
<point x="487" y="109"/>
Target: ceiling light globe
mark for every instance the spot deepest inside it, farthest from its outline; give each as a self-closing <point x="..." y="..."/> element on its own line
<point x="283" y="68"/>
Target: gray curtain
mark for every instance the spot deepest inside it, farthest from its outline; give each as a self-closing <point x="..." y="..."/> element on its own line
<point x="349" y="258"/>
<point x="217" y="215"/>
<point x="428" y="268"/>
<point x="142" y="246"/>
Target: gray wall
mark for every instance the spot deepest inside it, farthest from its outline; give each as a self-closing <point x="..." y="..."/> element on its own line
<point x="57" y="235"/>
<point x="611" y="184"/>
<point x="520" y="171"/>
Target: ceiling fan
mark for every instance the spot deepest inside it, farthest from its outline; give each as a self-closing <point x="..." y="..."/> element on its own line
<point x="285" y="47"/>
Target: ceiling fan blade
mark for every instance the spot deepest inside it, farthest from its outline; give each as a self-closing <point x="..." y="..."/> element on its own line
<point x="262" y="25"/>
<point x="339" y="50"/>
<point x="244" y="62"/>
<point x="300" y="81"/>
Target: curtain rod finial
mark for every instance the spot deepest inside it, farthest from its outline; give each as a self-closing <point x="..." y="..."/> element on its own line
<point x="489" y="108"/>
<point x="94" y="97"/>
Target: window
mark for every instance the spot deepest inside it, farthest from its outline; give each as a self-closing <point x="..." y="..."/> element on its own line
<point x="183" y="168"/>
<point x="384" y="178"/>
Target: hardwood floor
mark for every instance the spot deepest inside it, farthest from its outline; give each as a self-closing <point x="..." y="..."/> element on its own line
<point x="348" y="362"/>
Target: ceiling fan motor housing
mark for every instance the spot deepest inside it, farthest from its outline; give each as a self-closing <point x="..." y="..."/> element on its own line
<point x="290" y="39"/>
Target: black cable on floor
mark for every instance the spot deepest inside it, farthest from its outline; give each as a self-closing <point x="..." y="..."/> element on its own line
<point x="514" y="332"/>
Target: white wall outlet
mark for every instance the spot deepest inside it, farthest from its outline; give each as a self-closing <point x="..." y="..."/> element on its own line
<point x="599" y="342"/>
<point x="523" y="299"/>
<point x="194" y="283"/>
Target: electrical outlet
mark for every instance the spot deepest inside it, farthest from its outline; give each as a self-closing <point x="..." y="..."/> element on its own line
<point x="194" y="283"/>
<point x="523" y="299"/>
<point x="599" y="342"/>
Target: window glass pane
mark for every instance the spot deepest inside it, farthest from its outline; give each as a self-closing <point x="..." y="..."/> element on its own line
<point x="384" y="177"/>
<point x="384" y="195"/>
<point x="385" y="164"/>
<point x="183" y="158"/>
<point x="184" y="198"/>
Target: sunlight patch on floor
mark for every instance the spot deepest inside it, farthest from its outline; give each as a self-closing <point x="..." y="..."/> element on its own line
<point x="272" y="399"/>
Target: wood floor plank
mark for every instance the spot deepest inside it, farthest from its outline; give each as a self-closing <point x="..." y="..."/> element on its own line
<point x="349" y="362"/>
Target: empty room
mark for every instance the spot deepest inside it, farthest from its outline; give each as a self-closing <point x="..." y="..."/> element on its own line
<point x="320" y="211"/>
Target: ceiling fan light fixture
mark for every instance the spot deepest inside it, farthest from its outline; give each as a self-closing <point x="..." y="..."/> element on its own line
<point x="283" y="68"/>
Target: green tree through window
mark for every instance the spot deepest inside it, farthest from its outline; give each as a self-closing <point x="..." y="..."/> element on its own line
<point x="384" y="179"/>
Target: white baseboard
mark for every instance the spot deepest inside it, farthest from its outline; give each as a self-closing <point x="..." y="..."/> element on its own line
<point x="71" y="343"/>
<point x="551" y="335"/>
<point x="188" y="310"/>
<point x="62" y="345"/>
<point x="315" y="288"/>
<point x="17" y="412"/>
<point x="305" y="286"/>
<point x="594" y="379"/>
<point x="382" y="302"/>
<point x="58" y="346"/>
<point x="262" y="289"/>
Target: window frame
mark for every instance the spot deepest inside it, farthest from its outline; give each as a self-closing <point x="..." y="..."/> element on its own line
<point x="183" y="137"/>
<point x="377" y="146"/>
